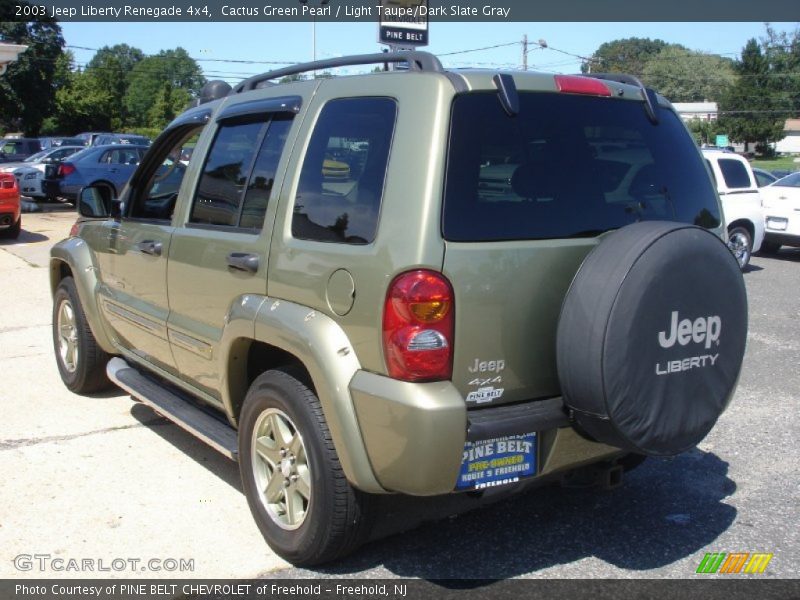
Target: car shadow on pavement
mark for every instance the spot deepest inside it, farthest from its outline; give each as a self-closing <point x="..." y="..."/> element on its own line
<point x="25" y="237"/>
<point x="666" y="510"/>
<point x="193" y="448"/>
<point x="786" y="253"/>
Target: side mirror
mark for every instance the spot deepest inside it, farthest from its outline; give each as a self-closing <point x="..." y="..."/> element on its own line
<point x="96" y="202"/>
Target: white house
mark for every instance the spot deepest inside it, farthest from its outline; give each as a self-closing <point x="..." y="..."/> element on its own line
<point x="689" y="111"/>
<point x="8" y="54"/>
<point x="791" y="143"/>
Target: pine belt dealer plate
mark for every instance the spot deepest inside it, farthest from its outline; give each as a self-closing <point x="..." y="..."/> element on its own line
<point x="499" y="461"/>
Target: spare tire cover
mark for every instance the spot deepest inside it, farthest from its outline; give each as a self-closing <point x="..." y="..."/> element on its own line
<point x="651" y="337"/>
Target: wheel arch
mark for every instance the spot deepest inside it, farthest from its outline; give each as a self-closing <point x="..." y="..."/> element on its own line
<point x="746" y="224"/>
<point x="72" y="258"/>
<point x="268" y="334"/>
<point x="108" y="183"/>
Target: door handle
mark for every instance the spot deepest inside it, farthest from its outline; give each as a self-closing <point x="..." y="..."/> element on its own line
<point x="150" y="247"/>
<point x="241" y="261"/>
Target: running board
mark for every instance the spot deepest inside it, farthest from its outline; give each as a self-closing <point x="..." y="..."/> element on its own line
<point x="185" y="414"/>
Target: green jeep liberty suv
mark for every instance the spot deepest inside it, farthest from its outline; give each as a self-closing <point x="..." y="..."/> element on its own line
<point x="419" y="282"/>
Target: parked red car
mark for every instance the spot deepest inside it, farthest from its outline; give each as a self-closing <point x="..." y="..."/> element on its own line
<point x="10" y="213"/>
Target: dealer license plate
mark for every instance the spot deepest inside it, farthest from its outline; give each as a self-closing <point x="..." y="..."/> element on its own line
<point x="499" y="461"/>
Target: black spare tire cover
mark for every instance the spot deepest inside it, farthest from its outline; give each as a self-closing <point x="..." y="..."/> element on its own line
<point x="651" y="337"/>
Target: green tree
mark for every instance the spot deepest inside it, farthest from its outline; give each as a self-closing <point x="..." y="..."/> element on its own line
<point x="782" y="51"/>
<point x="756" y="107"/>
<point x="686" y="76"/>
<point x="704" y="132"/>
<point x="629" y="55"/>
<point x="110" y="68"/>
<point x="27" y="90"/>
<point x="83" y="105"/>
<point x="148" y="77"/>
<point x="169" y="102"/>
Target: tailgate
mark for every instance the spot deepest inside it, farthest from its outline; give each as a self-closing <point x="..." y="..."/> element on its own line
<point x="508" y="297"/>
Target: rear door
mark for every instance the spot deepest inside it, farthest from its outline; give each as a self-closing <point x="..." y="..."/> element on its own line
<point x="219" y="252"/>
<point x="115" y="165"/>
<point x="526" y="198"/>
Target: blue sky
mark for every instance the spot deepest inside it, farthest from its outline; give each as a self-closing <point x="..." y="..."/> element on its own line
<point x="292" y="42"/>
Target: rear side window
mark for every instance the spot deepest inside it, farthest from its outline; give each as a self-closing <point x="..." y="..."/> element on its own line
<point x="237" y="178"/>
<point x="121" y="157"/>
<point x="341" y="182"/>
<point x="568" y="166"/>
<point x="734" y="173"/>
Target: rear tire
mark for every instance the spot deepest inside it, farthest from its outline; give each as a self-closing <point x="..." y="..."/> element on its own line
<point x="81" y="362"/>
<point x="741" y="244"/>
<point x="293" y="480"/>
<point x="12" y="232"/>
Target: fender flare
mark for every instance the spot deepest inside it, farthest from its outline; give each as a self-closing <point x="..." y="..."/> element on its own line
<point x="76" y="254"/>
<point x="323" y="348"/>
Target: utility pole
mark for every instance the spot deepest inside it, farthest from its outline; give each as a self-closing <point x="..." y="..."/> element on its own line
<point x="525" y="52"/>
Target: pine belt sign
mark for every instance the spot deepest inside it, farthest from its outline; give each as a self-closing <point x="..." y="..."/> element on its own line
<point x="403" y="22"/>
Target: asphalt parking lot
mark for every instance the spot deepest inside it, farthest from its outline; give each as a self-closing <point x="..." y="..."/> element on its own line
<point x="105" y="478"/>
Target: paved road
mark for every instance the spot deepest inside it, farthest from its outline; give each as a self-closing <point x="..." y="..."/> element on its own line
<point x="105" y="478"/>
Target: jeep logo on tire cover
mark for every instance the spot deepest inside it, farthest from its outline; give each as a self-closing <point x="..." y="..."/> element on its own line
<point x="702" y="329"/>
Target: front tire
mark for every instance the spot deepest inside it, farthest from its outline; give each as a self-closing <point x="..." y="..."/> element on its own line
<point x="741" y="244"/>
<point x="295" y="487"/>
<point x="81" y="362"/>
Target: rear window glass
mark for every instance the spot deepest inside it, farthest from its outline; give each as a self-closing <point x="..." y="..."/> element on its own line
<point x="568" y="166"/>
<point x="734" y="173"/>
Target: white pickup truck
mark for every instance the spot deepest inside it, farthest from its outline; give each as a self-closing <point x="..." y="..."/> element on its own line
<point x="741" y="202"/>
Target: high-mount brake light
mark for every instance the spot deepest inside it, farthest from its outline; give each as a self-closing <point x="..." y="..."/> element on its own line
<point x="575" y="84"/>
<point x="418" y="324"/>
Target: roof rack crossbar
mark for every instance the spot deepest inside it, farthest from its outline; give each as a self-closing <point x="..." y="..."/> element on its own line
<point x="417" y="61"/>
<point x="648" y="95"/>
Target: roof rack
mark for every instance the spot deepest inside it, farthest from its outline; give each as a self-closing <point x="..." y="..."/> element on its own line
<point x="417" y="61"/>
<point x="649" y="95"/>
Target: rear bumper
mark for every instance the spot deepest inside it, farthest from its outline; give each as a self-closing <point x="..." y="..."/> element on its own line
<point x="414" y="433"/>
<point x="56" y="187"/>
<point x="783" y="227"/>
<point x="784" y="239"/>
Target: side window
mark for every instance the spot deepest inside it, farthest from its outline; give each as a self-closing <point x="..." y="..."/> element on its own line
<point x="156" y="199"/>
<point x="734" y="173"/>
<point x="259" y="188"/>
<point x="237" y="178"/>
<point x="341" y="182"/>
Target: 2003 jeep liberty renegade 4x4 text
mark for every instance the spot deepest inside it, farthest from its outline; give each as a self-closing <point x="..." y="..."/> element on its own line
<point x="419" y="282"/>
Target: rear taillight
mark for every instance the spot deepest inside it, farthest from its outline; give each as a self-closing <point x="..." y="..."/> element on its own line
<point x="575" y="84"/>
<point x="65" y="169"/>
<point x="7" y="181"/>
<point x="418" y="324"/>
<point x="73" y="231"/>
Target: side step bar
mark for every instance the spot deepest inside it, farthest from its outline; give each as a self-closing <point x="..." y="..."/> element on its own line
<point x="212" y="431"/>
